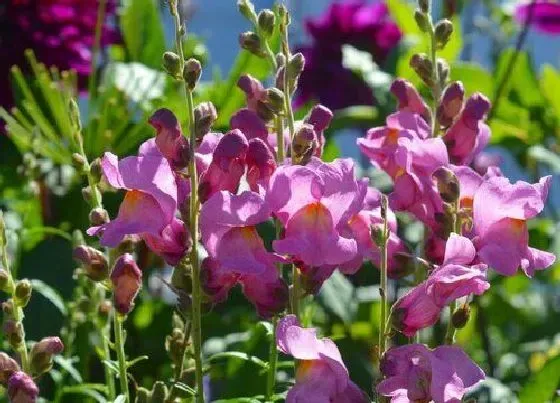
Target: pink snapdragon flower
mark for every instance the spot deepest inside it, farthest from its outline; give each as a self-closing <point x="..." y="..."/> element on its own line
<point x="22" y="388"/>
<point x="500" y="213"/>
<point x="468" y="136"/>
<point x="149" y="206"/>
<point x="169" y="138"/>
<point x="456" y="278"/>
<point x="126" y="278"/>
<point x="321" y="375"/>
<point x="237" y="253"/>
<point x="414" y="373"/>
<point x="409" y="100"/>
<point x="360" y="228"/>
<point x="314" y="203"/>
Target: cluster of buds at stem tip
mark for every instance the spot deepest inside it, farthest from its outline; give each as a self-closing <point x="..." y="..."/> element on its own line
<point x="42" y="354"/>
<point x="251" y="42"/>
<point x="447" y="184"/>
<point x="294" y="67"/>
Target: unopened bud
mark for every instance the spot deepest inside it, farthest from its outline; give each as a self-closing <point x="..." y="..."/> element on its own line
<point x="14" y="333"/>
<point x="104" y="310"/>
<point x="21" y="388"/>
<point x="280" y="60"/>
<point x="127" y="281"/>
<point x="79" y="162"/>
<point x="74" y="112"/>
<point x="87" y="194"/>
<point x="175" y="345"/>
<point x="8" y="309"/>
<point x="159" y="392"/>
<point x="423" y="67"/>
<point x="251" y="42"/>
<point x="5" y="281"/>
<point x="424" y="5"/>
<point x="247" y="9"/>
<point x="22" y="294"/>
<point x="95" y="170"/>
<point x="204" y="117"/>
<point x="7" y="367"/>
<point x="451" y="103"/>
<point x="443" y="71"/>
<point x="266" y="21"/>
<point x="264" y="111"/>
<point x="461" y="316"/>
<point x="181" y="280"/>
<point x="93" y="261"/>
<point x="443" y="31"/>
<point x="192" y="72"/>
<point x="42" y="353"/>
<point x="284" y="15"/>
<point x="447" y="184"/>
<point x="296" y="64"/>
<point x="98" y="216"/>
<point x="142" y="396"/>
<point x="319" y="117"/>
<point x="304" y="144"/>
<point x="422" y="20"/>
<point x="172" y="64"/>
<point x="275" y="99"/>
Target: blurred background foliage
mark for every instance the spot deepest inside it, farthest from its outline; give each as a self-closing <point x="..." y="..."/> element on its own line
<point x="514" y="332"/>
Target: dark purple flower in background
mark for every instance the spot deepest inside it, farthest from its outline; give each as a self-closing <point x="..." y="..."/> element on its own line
<point x="60" y="32"/>
<point x="368" y="28"/>
<point x="545" y="15"/>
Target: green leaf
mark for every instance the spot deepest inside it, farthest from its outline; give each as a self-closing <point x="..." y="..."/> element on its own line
<point x="474" y="77"/>
<point x="542" y="386"/>
<point x="545" y="156"/>
<point x="137" y="81"/>
<point x="239" y="356"/>
<point x="550" y="82"/>
<point x="84" y="390"/>
<point x="112" y="365"/>
<point x="338" y="296"/>
<point x="50" y="294"/>
<point x="68" y="365"/>
<point x="120" y="399"/>
<point x="143" y="32"/>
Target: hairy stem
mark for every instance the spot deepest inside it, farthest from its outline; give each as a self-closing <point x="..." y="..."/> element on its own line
<point x="119" y="346"/>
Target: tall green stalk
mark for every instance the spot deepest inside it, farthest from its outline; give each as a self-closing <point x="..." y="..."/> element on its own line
<point x="383" y="285"/>
<point x="121" y="357"/>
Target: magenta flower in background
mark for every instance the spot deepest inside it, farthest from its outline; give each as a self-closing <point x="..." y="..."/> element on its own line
<point x="367" y="27"/>
<point x="237" y="253"/>
<point x="546" y="15"/>
<point x="454" y="279"/>
<point x="321" y="375"/>
<point x="60" y="32"/>
<point x="414" y="373"/>
<point x="500" y="213"/>
<point x="313" y="203"/>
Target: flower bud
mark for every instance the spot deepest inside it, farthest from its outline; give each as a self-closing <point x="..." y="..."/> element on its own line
<point x="87" y="194"/>
<point x="175" y="345"/>
<point x="451" y="103"/>
<point x="280" y="60"/>
<point x="424" y="5"/>
<point x="74" y="113"/>
<point x="14" y="333"/>
<point x="191" y="73"/>
<point x="7" y="367"/>
<point x="142" y="395"/>
<point x="22" y="389"/>
<point x="247" y="9"/>
<point x="296" y="64"/>
<point x="95" y="170"/>
<point x="422" y="20"/>
<point x="447" y="184"/>
<point x="275" y="99"/>
<point x="264" y="111"/>
<point x="204" y="117"/>
<point x="104" y="311"/>
<point x="266" y="21"/>
<point x="127" y="280"/>
<point x="319" y="117"/>
<point x="251" y="42"/>
<point x="443" y="71"/>
<point x="284" y="15"/>
<point x="304" y="144"/>
<point x="172" y="64"/>
<point x="8" y="309"/>
<point x="22" y="294"/>
<point x="93" y="261"/>
<point x="443" y="31"/>
<point x="159" y="392"/>
<point x="461" y="316"/>
<point x="42" y="352"/>
<point x="98" y="216"/>
<point x="423" y="67"/>
<point x="79" y="162"/>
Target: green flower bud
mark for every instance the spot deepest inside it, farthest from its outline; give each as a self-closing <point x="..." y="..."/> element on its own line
<point x="247" y="9"/>
<point x="423" y="67"/>
<point x="79" y="162"/>
<point x="424" y="5"/>
<point x="275" y="99"/>
<point x="205" y="115"/>
<point x="266" y="21"/>
<point x="98" y="216"/>
<point x="159" y="393"/>
<point x="142" y="395"/>
<point x="5" y="283"/>
<point x="296" y="64"/>
<point x="7" y="367"/>
<point x="461" y="316"/>
<point x="103" y="311"/>
<point x="22" y="294"/>
<point x="175" y="345"/>
<point x="74" y="112"/>
<point x="251" y="42"/>
<point x="172" y="64"/>
<point x="192" y="72"/>
<point x="422" y="20"/>
<point x="8" y="309"/>
<point x="284" y="15"/>
<point x="443" y="31"/>
<point x="14" y="333"/>
<point x="42" y="353"/>
<point x="447" y="184"/>
<point x="95" y="170"/>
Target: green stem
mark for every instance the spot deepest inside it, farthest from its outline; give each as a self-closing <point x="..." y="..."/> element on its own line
<point x="436" y="89"/>
<point x="105" y="332"/>
<point x="101" y="10"/>
<point x="280" y="140"/>
<point x="119" y="346"/>
<point x="383" y="285"/>
<point x="272" y="360"/>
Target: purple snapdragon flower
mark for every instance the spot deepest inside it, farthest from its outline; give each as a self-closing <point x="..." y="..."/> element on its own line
<point x="364" y="26"/>
<point x="321" y="375"/>
<point x="414" y="373"/>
